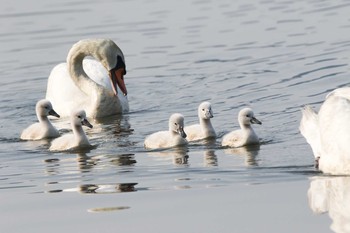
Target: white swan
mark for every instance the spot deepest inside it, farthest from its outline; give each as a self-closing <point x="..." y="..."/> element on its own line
<point x="85" y="83"/>
<point x="328" y="132"/>
<point x="204" y="129"/>
<point x="44" y="128"/>
<point x="175" y="136"/>
<point x="246" y="135"/>
<point x="76" y="140"/>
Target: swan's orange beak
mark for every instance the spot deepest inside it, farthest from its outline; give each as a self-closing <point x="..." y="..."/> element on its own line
<point x="117" y="79"/>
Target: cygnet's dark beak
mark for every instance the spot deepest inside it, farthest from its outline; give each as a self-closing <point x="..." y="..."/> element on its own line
<point x="53" y="113"/>
<point x="86" y="123"/>
<point x="255" y="121"/>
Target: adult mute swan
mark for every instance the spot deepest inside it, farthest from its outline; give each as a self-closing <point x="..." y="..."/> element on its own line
<point x="44" y="128"/>
<point x="76" y="140"/>
<point x="246" y="135"/>
<point x="204" y="129"/>
<point x="328" y="132"/>
<point x="176" y="135"/>
<point x="89" y="84"/>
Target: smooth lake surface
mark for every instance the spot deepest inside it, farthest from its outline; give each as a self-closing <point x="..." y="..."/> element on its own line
<point x="273" y="56"/>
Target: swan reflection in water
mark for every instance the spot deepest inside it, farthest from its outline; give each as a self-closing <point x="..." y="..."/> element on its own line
<point x="85" y="164"/>
<point x="107" y="188"/>
<point x="178" y="155"/>
<point x="249" y="152"/>
<point x="332" y="195"/>
<point x="210" y="158"/>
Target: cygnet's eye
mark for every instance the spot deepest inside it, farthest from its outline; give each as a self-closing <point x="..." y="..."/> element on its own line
<point x="203" y="109"/>
<point x="79" y="116"/>
<point x="248" y="115"/>
<point x="175" y="123"/>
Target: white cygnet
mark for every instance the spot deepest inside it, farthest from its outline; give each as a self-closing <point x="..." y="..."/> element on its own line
<point x="76" y="140"/>
<point x="43" y="129"/>
<point x="175" y="136"/>
<point x="245" y="135"/>
<point x="204" y="129"/>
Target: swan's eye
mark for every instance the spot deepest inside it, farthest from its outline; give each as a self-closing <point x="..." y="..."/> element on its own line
<point x="175" y="123"/>
<point x="203" y="109"/>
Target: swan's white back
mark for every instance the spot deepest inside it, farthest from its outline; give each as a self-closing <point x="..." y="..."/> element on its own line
<point x="175" y="136"/>
<point x="94" y="93"/>
<point x="310" y="130"/>
<point x="43" y="129"/>
<point x="244" y="136"/>
<point x="74" y="140"/>
<point x="332" y="137"/>
<point x="204" y="129"/>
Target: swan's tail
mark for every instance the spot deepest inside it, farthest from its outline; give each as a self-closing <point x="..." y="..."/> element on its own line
<point x="310" y="130"/>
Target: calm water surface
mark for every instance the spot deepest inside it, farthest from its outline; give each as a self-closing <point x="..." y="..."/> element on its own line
<point x="273" y="56"/>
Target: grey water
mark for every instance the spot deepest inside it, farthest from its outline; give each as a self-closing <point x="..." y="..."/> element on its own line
<point x="272" y="56"/>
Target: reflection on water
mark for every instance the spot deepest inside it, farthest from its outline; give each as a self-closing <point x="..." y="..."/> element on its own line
<point x="107" y="188"/>
<point x="177" y="155"/>
<point x="332" y="195"/>
<point x="99" y="188"/>
<point x="210" y="158"/>
<point x="66" y="166"/>
<point x="249" y="152"/>
<point x="86" y="163"/>
<point x="107" y="209"/>
<point x="122" y="159"/>
<point x="117" y="125"/>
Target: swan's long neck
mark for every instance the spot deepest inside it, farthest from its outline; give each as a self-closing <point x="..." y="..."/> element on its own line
<point x="44" y="120"/>
<point x="75" y="64"/>
<point x="246" y="127"/>
<point x="80" y="135"/>
<point x="207" y="127"/>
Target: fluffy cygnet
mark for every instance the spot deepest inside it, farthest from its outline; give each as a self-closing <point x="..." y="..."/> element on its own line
<point x="78" y="138"/>
<point x="175" y="136"/>
<point x="245" y="135"/>
<point x="44" y="128"/>
<point x="204" y="129"/>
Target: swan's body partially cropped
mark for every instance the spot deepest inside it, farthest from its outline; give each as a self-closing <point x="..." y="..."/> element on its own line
<point x="43" y="129"/>
<point x="204" y="129"/>
<point x="90" y="84"/>
<point x="76" y="140"/>
<point x="175" y="136"/>
<point x="328" y="132"/>
<point x="245" y="135"/>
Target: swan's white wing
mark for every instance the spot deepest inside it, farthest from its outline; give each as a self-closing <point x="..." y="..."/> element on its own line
<point x="309" y="128"/>
<point x="334" y="122"/>
<point x="163" y="139"/>
<point x="97" y="72"/>
<point x="63" y="143"/>
<point x="63" y="93"/>
<point x="232" y="139"/>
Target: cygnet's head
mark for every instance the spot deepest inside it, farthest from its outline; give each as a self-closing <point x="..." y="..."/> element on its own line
<point x="246" y="117"/>
<point x="176" y="124"/>
<point x="205" y="111"/>
<point x="44" y="108"/>
<point x="78" y="118"/>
